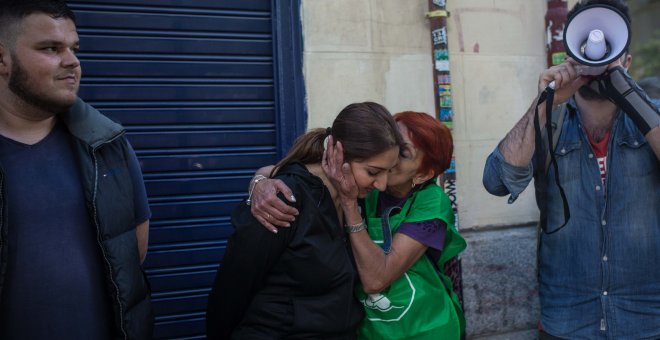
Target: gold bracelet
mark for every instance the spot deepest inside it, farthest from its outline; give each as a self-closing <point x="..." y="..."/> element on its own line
<point x="253" y="183"/>
<point x="354" y="228"/>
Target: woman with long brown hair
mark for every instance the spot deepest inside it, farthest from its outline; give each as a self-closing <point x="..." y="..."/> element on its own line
<point x="299" y="282"/>
<point x="411" y="235"/>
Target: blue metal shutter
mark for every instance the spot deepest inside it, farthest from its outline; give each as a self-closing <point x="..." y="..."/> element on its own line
<point x="203" y="88"/>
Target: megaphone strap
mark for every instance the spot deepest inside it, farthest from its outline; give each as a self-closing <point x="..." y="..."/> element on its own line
<point x="625" y="93"/>
<point x="548" y="96"/>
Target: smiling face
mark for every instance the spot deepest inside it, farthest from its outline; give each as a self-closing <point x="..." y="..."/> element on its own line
<point x="42" y="68"/>
<point x="373" y="172"/>
<point x="401" y="177"/>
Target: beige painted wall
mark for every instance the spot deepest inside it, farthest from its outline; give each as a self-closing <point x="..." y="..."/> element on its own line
<point x="497" y="52"/>
<point x="380" y="50"/>
<point x="366" y="50"/>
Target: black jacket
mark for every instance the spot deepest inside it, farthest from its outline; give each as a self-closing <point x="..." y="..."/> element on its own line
<point x="295" y="284"/>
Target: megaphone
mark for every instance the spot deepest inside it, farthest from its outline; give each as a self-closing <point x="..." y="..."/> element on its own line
<point x="595" y="36"/>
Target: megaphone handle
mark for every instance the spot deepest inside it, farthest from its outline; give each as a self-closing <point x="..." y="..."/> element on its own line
<point x="618" y="85"/>
<point x="584" y="70"/>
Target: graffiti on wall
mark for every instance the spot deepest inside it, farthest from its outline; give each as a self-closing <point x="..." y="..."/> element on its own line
<point x="443" y="94"/>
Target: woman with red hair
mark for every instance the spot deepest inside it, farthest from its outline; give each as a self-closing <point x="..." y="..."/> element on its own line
<point x="410" y="235"/>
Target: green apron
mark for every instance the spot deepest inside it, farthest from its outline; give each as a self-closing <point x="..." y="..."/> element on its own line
<point x="421" y="304"/>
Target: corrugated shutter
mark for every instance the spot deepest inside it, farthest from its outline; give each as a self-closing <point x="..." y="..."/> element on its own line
<point x="194" y="83"/>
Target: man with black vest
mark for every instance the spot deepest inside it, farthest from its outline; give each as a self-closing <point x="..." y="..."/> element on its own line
<point x="74" y="216"/>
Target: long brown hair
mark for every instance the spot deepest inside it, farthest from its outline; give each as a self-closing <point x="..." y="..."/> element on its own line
<point x="364" y="129"/>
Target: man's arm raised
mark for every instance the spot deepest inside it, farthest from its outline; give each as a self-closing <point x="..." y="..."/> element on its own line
<point x="517" y="147"/>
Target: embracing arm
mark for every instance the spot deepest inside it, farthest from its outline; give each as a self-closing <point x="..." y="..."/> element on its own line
<point x="376" y="269"/>
<point x="265" y="206"/>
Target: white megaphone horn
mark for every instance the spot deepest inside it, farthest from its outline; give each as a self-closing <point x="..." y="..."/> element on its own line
<point x="595" y="36"/>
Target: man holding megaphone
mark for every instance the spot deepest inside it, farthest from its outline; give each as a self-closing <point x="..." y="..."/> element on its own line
<point x="598" y="190"/>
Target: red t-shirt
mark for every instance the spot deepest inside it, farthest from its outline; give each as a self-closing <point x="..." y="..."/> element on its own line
<point x="600" y="152"/>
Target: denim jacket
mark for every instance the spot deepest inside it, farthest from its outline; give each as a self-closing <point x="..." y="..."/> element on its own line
<point x="599" y="276"/>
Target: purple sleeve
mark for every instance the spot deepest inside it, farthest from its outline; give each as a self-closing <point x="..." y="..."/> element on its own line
<point x="430" y="233"/>
<point x="142" y="211"/>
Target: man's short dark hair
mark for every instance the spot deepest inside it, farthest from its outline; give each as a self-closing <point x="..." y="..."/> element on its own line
<point x="18" y="9"/>
<point x="618" y="4"/>
<point x="13" y="11"/>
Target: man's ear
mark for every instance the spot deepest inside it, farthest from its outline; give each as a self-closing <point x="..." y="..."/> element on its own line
<point x="627" y="60"/>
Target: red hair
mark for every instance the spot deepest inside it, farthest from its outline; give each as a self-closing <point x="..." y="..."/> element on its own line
<point x="432" y="137"/>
